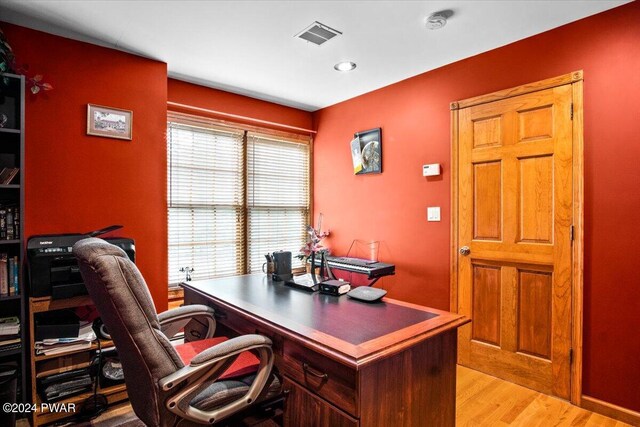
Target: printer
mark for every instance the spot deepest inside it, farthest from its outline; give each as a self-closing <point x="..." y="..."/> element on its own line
<point x="53" y="269"/>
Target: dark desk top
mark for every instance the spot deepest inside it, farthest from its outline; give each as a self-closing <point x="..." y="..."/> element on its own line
<point x="354" y="328"/>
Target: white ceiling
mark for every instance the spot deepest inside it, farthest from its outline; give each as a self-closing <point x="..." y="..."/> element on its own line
<point x="248" y="47"/>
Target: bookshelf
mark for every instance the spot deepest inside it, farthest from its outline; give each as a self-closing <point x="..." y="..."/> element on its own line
<point x="12" y="89"/>
<point x="45" y="365"/>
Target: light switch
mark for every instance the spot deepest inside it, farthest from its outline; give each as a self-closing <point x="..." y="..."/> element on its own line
<point x="433" y="213"/>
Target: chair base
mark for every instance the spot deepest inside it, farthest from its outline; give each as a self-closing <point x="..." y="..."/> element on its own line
<point x="267" y="413"/>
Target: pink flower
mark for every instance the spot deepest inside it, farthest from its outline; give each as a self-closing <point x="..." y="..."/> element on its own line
<point x="313" y="242"/>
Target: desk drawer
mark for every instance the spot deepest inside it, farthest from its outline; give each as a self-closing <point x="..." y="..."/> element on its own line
<point x="331" y="380"/>
<point x="305" y="409"/>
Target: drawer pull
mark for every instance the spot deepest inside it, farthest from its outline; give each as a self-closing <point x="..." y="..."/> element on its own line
<point x="315" y="373"/>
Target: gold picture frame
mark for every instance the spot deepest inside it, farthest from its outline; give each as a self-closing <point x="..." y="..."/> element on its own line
<point x="109" y="122"/>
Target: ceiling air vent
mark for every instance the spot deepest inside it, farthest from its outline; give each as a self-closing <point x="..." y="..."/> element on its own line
<point x="317" y="33"/>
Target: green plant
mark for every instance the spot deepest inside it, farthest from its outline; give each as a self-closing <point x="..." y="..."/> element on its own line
<point x="7" y="59"/>
<point x="8" y="64"/>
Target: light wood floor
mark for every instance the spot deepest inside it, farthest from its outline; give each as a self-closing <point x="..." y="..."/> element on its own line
<point x="483" y="400"/>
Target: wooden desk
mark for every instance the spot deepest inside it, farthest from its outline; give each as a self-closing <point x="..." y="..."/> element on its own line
<point x="344" y="362"/>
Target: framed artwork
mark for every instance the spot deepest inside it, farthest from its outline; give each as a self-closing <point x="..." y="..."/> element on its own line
<point x="109" y="122"/>
<point x="366" y="152"/>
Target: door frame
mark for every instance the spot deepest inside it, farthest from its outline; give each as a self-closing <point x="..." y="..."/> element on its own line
<point x="575" y="79"/>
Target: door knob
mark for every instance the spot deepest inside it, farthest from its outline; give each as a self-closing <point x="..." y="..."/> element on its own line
<point x="465" y="250"/>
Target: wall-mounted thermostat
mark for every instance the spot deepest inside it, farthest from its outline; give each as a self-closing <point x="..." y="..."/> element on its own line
<point x="431" y="170"/>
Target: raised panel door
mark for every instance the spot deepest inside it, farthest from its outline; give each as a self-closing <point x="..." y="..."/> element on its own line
<point x="515" y="214"/>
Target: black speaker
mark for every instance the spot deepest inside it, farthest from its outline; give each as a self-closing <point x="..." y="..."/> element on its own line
<point x="281" y="266"/>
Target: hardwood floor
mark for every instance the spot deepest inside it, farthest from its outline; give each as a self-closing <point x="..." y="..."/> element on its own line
<point x="120" y="415"/>
<point x="483" y="400"/>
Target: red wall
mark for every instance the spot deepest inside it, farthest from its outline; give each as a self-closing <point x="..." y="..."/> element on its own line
<point x="415" y="121"/>
<point x="230" y="103"/>
<point x="78" y="183"/>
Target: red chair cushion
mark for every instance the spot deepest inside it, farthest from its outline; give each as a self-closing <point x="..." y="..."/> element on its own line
<point x="246" y="363"/>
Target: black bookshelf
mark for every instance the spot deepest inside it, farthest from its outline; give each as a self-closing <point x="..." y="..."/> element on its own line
<point x="12" y="90"/>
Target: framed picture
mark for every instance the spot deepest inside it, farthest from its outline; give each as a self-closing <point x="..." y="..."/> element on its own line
<point x="366" y="152"/>
<point x="109" y="122"/>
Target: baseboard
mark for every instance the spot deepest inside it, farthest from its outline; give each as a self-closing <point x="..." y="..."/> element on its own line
<point x="610" y="410"/>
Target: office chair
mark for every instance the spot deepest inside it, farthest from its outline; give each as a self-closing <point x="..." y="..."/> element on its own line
<point x="216" y="385"/>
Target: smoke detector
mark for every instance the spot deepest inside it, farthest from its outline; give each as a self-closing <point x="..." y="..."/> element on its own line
<point x="438" y="20"/>
<point x="318" y="33"/>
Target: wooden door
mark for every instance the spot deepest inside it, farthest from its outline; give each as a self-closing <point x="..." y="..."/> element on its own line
<point x="515" y="217"/>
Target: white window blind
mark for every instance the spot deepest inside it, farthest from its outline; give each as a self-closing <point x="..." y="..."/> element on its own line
<point x="277" y="197"/>
<point x="230" y="203"/>
<point x="206" y="201"/>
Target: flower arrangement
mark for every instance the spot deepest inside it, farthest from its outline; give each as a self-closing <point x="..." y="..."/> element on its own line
<point x="315" y="236"/>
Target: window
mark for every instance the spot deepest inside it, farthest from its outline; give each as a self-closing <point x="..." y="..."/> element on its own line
<point x="233" y="196"/>
<point x="277" y="197"/>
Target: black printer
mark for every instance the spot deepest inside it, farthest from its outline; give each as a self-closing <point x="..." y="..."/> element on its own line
<point x="54" y="271"/>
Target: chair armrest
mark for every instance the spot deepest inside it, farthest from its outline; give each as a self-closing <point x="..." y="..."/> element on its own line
<point x="215" y="360"/>
<point x="172" y="321"/>
<point x="206" y="367"/>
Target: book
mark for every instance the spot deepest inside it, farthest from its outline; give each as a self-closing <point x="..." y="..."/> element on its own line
<point x="10" y="223"/>
<point x="4" y="174"/>
<point x="4" y="342"/>
<point x="7" y="174"/>
<point x="16" y="276"/>
<point x="10" y="276"/>
<point x="16" y="223"/>
<point x="4" y="279"/>
<point x="12" y="175"/>
<point x="3" y="223"/>
<point x="13" y="275"/>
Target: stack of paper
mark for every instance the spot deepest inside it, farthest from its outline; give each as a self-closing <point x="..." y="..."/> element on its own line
<point x="9" y="333"/>
<point x="9" y="326"/>
<point x="62" y="345"/>
<point x="58" y="386"/>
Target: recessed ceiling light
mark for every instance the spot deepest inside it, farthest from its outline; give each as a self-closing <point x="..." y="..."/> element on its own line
<point x="345" y="66"/>
<point x="438" y="20"/>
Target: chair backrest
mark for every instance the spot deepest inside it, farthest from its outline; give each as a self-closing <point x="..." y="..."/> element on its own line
<point x="126" y="308"/>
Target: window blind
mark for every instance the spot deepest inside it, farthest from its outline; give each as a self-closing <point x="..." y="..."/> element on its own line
<point x="277" y="196"/>
<point x="234" y="195"/>
<point x="206" y="190"/>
